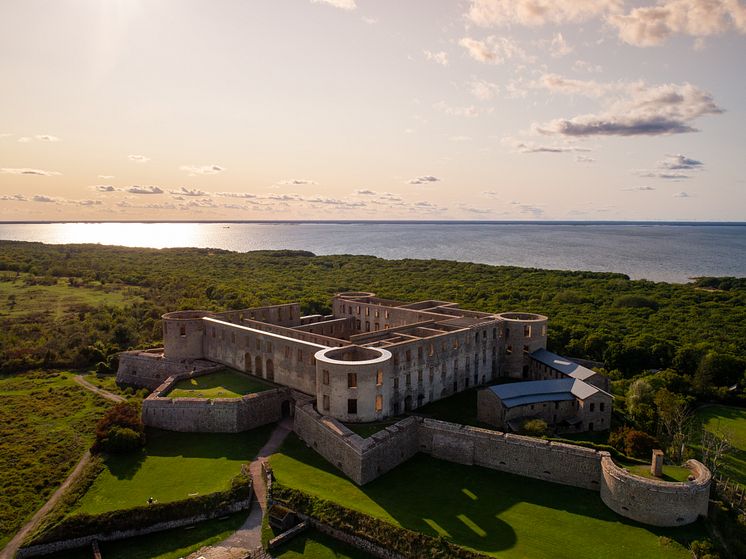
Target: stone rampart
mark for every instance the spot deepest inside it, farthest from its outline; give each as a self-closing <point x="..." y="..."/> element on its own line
<point x="650" y="501"/>
<point x="150" y="368"/>
<point x="526" y="456"/>
<point x="219" y="415"/>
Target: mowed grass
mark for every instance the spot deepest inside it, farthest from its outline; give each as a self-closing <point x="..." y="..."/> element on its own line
<point x="18" y="299"/>
<point x="732" y="422"/>
<point x="172" y="466"/>
<point x="46" y="424"/>
<point x="221" y="384"/>
<point x="169" y="544"/>
<point x="315" y="545"/>
<point x="495" y="513"/>
<point x="670" y="473"/>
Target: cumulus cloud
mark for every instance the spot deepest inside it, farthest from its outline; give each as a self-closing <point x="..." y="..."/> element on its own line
<point x="425" y="179"/>
<point x="679" y="162"/>
<point x="245" y="195"/>
<point x="437" y="57"/>
<point x="191" y="192"/>
<point x="647" y="111"/>
<point x="202" y="169"/>
<point x="42" y="198"/>
<point x="503" y="13"/>
<point x="13" y="198"/>
<point x="651" y="25"/>
<point x="27" y="171"/>
<point x="105" y="188"/>
<point x="135" y="189"/>
<point x="296" y="182"/>
<point x="138" y="158"/>
<point x="493" y="49"/>
<point x="341" y="4"/>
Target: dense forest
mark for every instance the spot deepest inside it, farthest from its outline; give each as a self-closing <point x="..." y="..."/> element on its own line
<point x="116" y="297"/>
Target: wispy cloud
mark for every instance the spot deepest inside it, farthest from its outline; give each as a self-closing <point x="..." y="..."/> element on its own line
<point x="135" y="189"/>
<point x="493" y="49"/>
<point x="191" y="192"/>
<point x="202" y="169"/>
<point x="483" y="90"/>
<point x="138" y="158"/>
<point x="341" y="4"/>
<point x="469" y="111"/>
<point x="673" y="167"/>
<point x="106" y="176"/>
<point x="296" y="182"/>
<point x="13" y="198"/>
<point x="681" y="195"/>
<point x="105" y="188"/>
<point x="47" y="138"/>
<point x="639" y="188"/>
<point x="504" y="13"/>
<point x="245" y="195"/>
<point x="27" y="171"/>
<point x="440" y="57"/>
<point x="42" y="198"/>
<point x="425" y="179"/>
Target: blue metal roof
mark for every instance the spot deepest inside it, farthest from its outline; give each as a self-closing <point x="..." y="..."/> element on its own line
<point x="562" y="364"/>
<point x="532" y="392"/>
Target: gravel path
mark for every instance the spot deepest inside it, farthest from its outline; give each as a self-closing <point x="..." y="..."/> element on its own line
<point x="100" y="391"/>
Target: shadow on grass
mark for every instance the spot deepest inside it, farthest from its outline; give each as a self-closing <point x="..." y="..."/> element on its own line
<point x="314" y="544"/>
<point x="483" y="509"/>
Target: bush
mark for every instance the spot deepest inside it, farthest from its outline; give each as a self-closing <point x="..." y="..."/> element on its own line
<point x="534" y="427"/>
<point x="633" y="442"/>
<point x="121" y="429"/>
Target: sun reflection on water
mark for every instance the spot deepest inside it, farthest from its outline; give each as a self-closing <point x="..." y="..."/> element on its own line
<point x="154" y="235"/>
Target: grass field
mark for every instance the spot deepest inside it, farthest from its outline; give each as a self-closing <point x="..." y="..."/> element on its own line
<point x="18" y="299"/>
<point x="222" y="384"/>
<point x="670" y="473"/>
<point x="170" y="544"/>
<point x="495" y="513"/>
<point x="172" y="466"/>
<point x="315" y="545"/>
<point x="46" y="424"/>
<point x="731" y="421"/>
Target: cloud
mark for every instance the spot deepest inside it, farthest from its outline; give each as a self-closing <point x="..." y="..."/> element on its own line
<point x="202" y="169"/>
<point x="13" y="198"/>
<point x="25" y="139"/>
<point x="585" y="66"/>
<point x="584" y="159"/>
<point x="492" y="50"/>
<point x="681" y="195"/>
<point x="138" y="158"/>
<point x="135" y="189"/>
<point x="296" y="182"/>
<point x="105" y="188"/>
<point x="530" y="147"/>
<point x="437" y="57"/>
<point x="369" y="20"/>
<point x="460" y="138"/>
<point x="648" y="26"/>
<point x="47" y="138"/>
<point x="27" y="171"/>
<point x="365" y="192"/>
<point x="87" y="202"/>
<point x="639" y="188"/>
<point x="106" y="176"/>
<point x="588" y="88"/>
<point x="679" y="162"/>
<point x="558" y="46"/>
<point x="483" y="90"/>
<point x="664" y="175"/>
<point x="42" y="198"/>
<point x="245" y="195"/>
<point x="192" y="192"/>
<point x="503" y="13"/>
<point x="341" y="4"/>
<point x="647" y="111"/>
<point x="474" y="210"/>
<point x="426" y="179"/>
<point x="469" y="112"/>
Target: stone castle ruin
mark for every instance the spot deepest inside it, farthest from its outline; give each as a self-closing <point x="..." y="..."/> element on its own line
<point x="374" y="358"/>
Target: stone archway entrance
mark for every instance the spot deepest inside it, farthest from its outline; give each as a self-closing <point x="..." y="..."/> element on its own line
<point x="247" y="362"/>
<point x="270" y="370"/>
<point x="258" y="366"/>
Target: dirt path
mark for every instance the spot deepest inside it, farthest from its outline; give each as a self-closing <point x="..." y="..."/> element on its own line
<point x="10" y="550"/>
<point x="100" y="391"/>
<point x="248" y="538"/>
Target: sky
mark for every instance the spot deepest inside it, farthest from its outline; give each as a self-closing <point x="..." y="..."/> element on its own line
<point x="373" y="109"/>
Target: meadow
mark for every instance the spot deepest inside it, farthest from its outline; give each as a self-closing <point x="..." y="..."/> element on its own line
<point x="491" y="512"/>
<point x="227" y="383"/>
<point x="47" y="422"/>
<point x="172" y="466"/>
<point x="731" y="421"/>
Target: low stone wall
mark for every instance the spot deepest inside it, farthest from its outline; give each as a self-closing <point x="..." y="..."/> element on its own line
<point x="150" y="368"/>
<point x="355" y="541"/>
<point x="86" y="541"/>
<point x="219" y="415"/>
<point x="526" y="456"/>
<point x="655" y="502"/>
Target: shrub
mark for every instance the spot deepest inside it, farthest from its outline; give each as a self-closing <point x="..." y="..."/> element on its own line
<point x="120" y="429"/>
<point x="534" y="427"/>
<point x="633" y="442"/>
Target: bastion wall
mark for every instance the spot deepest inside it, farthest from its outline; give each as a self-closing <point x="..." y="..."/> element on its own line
<point x="218" y="415"/>
<point x="151" y="368"/>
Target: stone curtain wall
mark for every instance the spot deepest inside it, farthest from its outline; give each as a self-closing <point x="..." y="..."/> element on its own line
<point x="150" y="368"/>
<point x="655" y="502"/>
<point x="363" y="460"/>
<point x="219" y="415"/>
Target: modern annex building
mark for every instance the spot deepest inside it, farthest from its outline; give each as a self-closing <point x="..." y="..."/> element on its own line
<point x="371" y="359"/>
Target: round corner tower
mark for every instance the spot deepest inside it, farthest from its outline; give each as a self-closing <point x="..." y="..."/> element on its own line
<point x="523" y="333"/>
<point x="183" y="334"/>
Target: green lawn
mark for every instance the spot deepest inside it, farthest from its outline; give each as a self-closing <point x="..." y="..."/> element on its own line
<point x="222" y="384"/>
<point x="495" y="513"/>
<point x="315" y="545"/>
<point x="170" y="544"/>
<point x="46" y="424"/>
<point x="670" y="473"/>
<point x="731" y="421"/>
<point x="173" y="466"/>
